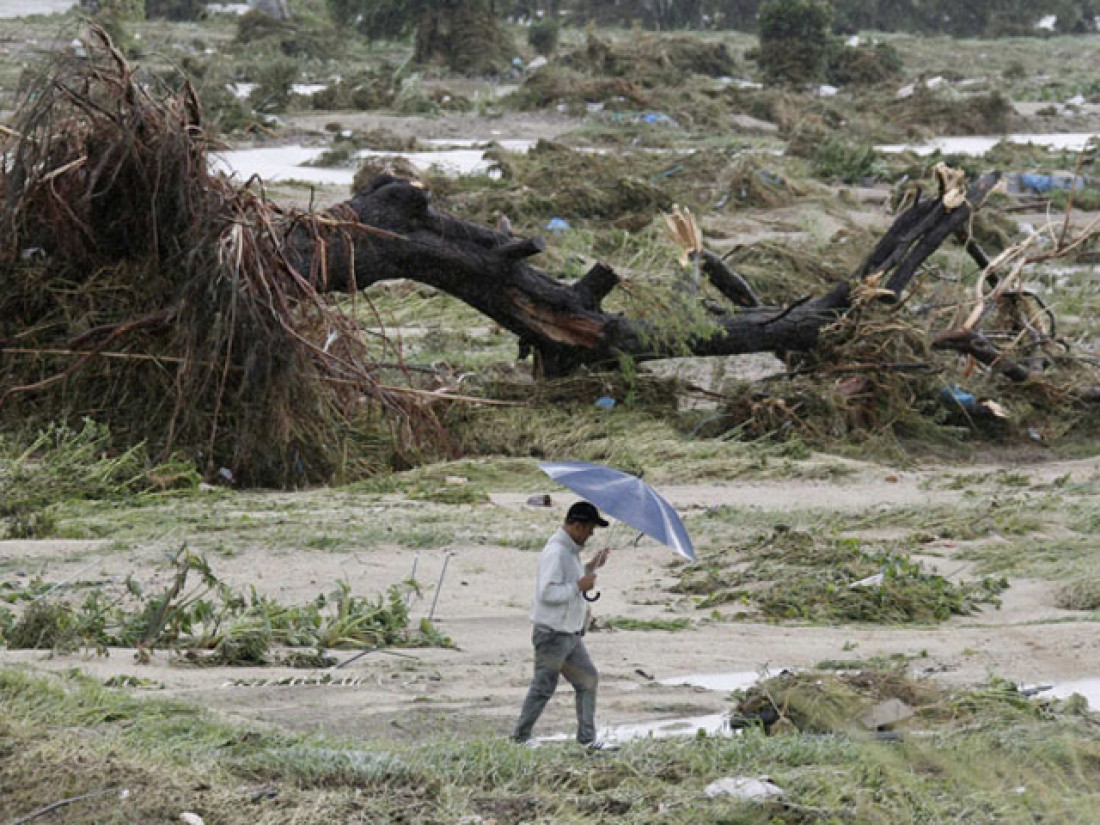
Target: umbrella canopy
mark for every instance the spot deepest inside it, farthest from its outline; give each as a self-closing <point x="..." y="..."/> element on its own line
<point x="624" y="497"/>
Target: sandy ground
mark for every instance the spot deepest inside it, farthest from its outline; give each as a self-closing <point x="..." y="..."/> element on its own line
<point x="475" y="689"/>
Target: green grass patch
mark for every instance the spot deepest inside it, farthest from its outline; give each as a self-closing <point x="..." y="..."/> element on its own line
<point x="985" y="756"/>
<point x="813" y="577"/>
<point x="63" y="463"/>
<point x="208" y="620"/>
<point x="628" y="623"/>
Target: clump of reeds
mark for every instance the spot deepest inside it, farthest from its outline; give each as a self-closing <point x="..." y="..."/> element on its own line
<point x="141" y="290"/>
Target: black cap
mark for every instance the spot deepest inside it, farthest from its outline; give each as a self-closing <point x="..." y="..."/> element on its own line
<point x="586" y="513"/>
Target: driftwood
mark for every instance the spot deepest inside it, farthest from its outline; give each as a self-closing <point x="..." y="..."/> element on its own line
<point x="564" y="325"/>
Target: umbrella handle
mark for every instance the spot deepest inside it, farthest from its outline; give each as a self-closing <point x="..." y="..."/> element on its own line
<point x="592" y="599"/>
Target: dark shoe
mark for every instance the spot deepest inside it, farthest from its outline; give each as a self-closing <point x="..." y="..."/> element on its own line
<point x="530" y="744"/>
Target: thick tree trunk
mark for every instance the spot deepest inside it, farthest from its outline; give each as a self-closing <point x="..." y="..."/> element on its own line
<point x="391" y="230"/>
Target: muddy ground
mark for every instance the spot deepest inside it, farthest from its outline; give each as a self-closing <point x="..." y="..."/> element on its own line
<point x="474" y="689"/>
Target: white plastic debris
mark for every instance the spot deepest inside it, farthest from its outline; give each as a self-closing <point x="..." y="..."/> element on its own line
<point x="825" y="90"/>
<point x="743" y="787"/>
<point x="871" y="581"/>
<point x="934" y="82"/>
<point x="853" y="41"/>
<point x="886" y="714"/>
<point x="191" y="819"/>
<point x="905" y="91"/>
<point x="78" y="48"/>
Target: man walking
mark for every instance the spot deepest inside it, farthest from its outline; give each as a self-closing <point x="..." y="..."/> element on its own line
<point x="559" y="615"/>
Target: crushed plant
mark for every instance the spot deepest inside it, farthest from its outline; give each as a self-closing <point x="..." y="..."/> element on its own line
<point x="207" y="621"/>
<point x="798" y="575"/>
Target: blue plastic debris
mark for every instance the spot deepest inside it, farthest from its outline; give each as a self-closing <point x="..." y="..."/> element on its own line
<point x="557" y="225"/>
<point x="658" y="117"/>
<point x="1037" y="183"/>
<point x="605" y="402"/>
<point x="955" y="396"/>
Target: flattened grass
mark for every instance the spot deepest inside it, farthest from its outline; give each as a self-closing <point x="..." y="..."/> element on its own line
<point x="993" y="759"/>
<point x="817" y="578"/>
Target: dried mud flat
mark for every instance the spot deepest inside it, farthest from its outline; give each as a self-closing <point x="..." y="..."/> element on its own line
<point x="475" y="689"/>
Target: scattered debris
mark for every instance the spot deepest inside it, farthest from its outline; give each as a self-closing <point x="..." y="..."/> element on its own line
<point x="886" y="715"/>
<point x="743" y="788"/>
<point x="216" y="353"/>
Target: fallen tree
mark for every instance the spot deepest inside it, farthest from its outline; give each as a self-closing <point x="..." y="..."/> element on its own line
<point x="142" y="290"/>
<point x="564" y="324"/>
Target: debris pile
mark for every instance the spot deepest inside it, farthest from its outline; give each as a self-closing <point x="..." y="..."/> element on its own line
<point x="142" y="291"/>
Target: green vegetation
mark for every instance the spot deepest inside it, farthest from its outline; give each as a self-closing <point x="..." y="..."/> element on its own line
<point x="987" y="754"/>
<point x="62" y="464"/>
<point x="795" y="39"/>
<point x="795" y="575"/>
<point x="236" y="628"/>
<point x="628" y="623"/>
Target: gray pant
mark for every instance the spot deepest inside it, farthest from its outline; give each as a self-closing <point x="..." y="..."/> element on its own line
<point x="560" y="654"/>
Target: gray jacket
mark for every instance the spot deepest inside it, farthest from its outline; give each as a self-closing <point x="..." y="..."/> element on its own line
<point x="559" y="603"/>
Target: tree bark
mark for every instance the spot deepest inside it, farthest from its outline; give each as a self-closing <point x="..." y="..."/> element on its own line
<point x="391" y="230"/>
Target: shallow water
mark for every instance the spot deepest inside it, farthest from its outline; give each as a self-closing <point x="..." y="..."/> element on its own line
<point x="25" y="8"/>
<point x="228" y="8"/>
<point x="283" y="163"/>
<point x="713" y="724"/>
<point x="716" y="681"/>
<point x="1088" y="687"/>
<point x="980" y="144"/>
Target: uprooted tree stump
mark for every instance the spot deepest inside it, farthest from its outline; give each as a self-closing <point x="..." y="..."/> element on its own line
<point x="564" y="325"/>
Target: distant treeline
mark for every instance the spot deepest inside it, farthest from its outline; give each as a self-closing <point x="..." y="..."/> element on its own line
<point x="961" y="18"/>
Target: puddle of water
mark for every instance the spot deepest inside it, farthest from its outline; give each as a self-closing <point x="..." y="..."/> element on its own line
<point x="712" y="725"/>
<point x="282" y="163"/>
<point x="1089" y="688"/>
<point x="228" y="8"/>
<point x="25" y="8"/>
<point x="243" y="90"/>
<point x="980" y="144"/>
<point x="716" y="681"/>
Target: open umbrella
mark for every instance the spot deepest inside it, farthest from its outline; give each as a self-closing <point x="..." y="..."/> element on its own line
<point x="624" y="497"/>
